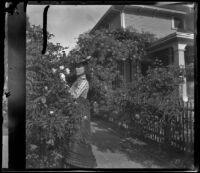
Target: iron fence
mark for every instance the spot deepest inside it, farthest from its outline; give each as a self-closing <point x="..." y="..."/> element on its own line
<point x="177" y="133"/>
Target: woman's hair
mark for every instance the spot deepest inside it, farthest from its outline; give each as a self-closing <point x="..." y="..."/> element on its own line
<point x="72" y="77"/>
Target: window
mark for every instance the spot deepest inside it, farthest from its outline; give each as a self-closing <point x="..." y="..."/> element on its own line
<point x="189" y="55"/>
<point x="189" y="62"/>
<point x="177" y="23"/>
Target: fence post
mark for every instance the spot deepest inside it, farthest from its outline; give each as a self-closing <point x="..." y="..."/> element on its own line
<point x="167" y="131"/>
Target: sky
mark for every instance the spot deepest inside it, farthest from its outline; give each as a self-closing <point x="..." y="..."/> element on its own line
<point x="66" y="22"/>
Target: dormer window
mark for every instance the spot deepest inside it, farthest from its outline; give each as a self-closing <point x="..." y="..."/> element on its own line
<point x="177" y="23"/>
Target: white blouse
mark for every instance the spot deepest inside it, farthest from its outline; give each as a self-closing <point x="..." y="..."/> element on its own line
<point x="80" y="87"/>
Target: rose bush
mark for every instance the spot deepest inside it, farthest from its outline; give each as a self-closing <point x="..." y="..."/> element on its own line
<point x="109" y="48"/>
<point x="50" y="110"/>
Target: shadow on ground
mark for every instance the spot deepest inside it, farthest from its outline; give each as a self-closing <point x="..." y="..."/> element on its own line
<point x="115" y="150"/>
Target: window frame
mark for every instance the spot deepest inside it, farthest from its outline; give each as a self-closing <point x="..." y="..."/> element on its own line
<point x="173" y="23"/>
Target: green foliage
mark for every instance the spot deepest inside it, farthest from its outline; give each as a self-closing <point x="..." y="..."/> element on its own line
<point x="152" y="94"/>
<point x="50" y="110"/>
<point x="108" y="48"/>
<point x="152" y="99"/>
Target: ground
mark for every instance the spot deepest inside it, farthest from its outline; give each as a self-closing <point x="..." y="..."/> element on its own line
<point x="115" y="150"/>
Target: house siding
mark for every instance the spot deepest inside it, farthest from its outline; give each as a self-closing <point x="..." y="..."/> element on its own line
<point x="159" y="26"/>
<point x="189" y="22"/>
<point x="115" y="23"/>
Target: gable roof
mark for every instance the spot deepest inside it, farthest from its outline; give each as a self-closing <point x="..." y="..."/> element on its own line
<point x="109" y="13"/>
<point x="178" y="7"/>
<point x="164" y="9"/>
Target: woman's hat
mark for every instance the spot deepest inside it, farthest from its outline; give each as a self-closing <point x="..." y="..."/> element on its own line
<point x="83" y="62"/>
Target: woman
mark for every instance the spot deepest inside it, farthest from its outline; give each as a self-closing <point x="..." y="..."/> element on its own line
<point x="79" y="153"/>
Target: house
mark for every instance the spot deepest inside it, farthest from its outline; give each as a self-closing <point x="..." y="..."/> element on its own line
<point x="173" y="25"/>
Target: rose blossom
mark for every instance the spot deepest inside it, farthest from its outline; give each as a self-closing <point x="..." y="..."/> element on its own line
<point x="61" y="67"/>
<point x="51" y="112"/>
<point x="62" y="76"/>
<point x="54" y="70"/>
<point x="67" y="70"/>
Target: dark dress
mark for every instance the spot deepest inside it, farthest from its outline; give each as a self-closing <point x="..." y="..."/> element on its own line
<point x="79" y="152"/>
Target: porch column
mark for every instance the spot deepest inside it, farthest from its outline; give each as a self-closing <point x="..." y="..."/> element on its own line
<point x="179" y="58"/>
<point x="122" y="18"/>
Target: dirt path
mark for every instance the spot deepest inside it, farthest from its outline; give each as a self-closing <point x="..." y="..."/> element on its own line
<point x="113" y="151"/>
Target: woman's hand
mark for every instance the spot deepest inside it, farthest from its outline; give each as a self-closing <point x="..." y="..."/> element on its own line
<point x="63" y="80"/>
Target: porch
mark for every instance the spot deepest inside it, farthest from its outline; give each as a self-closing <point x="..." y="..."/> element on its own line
<point x="177" y="49"/>
<point x="174" y="49"/>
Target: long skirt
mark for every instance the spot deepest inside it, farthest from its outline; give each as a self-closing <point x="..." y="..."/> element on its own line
<point x="79" y="153"/>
